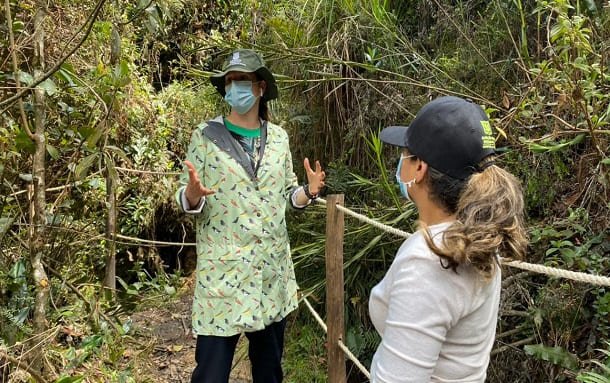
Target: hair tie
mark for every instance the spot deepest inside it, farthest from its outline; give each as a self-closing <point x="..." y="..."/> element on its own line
<point x="485" y="165"/>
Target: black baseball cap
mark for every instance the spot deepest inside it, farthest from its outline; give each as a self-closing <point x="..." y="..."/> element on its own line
<point x="449" y="133"/>
<point x="245" y="60"/>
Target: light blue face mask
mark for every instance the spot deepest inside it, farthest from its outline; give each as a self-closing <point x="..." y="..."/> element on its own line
<point x="239" y="95"/>
<point x="404" y="186"/>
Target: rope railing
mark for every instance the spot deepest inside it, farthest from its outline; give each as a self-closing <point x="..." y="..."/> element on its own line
<point x="370" y="221"/>
<point x="560" y="273"/>
<point x="154" y="243"/>
<point x="541" y="269"/>
<point x="342" y="346"/>
<point x="149" y="172"/>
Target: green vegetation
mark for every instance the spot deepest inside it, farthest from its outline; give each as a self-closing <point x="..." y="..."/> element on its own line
<point x="130" y="94"/>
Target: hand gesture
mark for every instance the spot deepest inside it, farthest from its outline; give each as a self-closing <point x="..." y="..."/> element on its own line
<point x="194" y="189"/>
<point x="315" y="178"/>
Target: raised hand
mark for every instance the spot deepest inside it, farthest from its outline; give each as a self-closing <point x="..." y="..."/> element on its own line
<point x="194" y="189"/>
<point x="315" y="178"/>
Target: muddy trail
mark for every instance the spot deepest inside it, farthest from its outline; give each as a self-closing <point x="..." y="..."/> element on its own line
<point x="166" y="331"/>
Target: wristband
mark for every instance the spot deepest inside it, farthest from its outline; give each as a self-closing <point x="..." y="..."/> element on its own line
<point x="308" y="194"/>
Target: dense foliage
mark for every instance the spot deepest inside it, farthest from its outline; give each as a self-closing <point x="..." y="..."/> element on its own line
<point x="129" y="96"/>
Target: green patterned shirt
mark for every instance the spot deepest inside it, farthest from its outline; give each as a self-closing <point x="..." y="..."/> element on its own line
<point x="245" y="276"/>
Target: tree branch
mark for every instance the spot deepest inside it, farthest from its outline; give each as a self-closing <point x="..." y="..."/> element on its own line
<point x="11" y="37"/>
<point x="78" y="293"/>
<point x="9" y="101"/>
<point x="20" y="364"/>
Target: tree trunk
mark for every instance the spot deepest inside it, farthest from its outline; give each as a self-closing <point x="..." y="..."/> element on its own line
<point x="110" y="278"/>
<point x="37" y="239"/>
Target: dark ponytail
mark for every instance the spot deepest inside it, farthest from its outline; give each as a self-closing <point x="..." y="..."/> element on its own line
<point x="263" y="110"/>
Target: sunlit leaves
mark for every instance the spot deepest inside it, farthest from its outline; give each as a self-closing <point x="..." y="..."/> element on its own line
<point x="555" y="355"/>
<point x="84" y="165"/>
<point x="547" y="146"/>
<point x="23" y="142"/>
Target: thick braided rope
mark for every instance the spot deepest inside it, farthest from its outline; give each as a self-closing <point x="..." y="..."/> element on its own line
<point x="316" y="316"/>
<point x="573" y="275"/>
<point x="342" y="346"/>
<point x="351" y="357"/>
<point x="150" y="172"/>
<point x="370" y="221"/>
<point x="151" y="242"/>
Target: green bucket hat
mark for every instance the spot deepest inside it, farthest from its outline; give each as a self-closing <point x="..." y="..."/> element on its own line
<point x="245" y="60"/>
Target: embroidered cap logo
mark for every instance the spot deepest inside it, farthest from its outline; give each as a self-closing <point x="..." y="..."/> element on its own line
<point x="488" y="139"/>
<point x="236" y="60"/>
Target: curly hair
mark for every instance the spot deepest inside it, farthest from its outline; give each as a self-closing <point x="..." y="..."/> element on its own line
<point x="489" y="208"/>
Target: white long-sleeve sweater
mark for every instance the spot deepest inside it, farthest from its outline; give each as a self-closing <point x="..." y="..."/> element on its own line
<point x="435" y="325"/>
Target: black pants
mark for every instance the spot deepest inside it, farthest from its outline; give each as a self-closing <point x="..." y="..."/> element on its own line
<point x="214" y="355"/>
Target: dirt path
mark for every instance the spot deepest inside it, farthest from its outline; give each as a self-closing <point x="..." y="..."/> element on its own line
<point x="171" y="359"/>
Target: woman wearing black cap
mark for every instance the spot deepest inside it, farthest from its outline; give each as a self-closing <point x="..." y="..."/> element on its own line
<point x="238" y="181"/>
<point x="436" y="308"/>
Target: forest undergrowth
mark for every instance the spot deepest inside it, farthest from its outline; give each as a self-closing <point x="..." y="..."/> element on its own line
<point x="97" y="103"/>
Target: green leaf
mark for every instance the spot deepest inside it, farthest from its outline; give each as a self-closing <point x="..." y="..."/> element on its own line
<point x="23" y="142"/>
<point x="170" y="290"/>
<point x="53" y="152"/>
<point x="127" y="326"/>
<point x="5" y="223"/>
<point x="122" y="283"/>
<point x="592" y="377"/>
<point x="93" y="136"/>
<point x="605" y="161"/>
<point x="24" y="78"/>
<point x="590" y="6"/>
<point x="27" y="177"/>
<point x="110" y="168"/>
<point x="84" y="165"/>
<point x="66" y="73"/>
<point x="49" y="87"/>
<point x="70" y="379"/>
<point x="22" y="315"/>
<point x="18" y="270"/>
<point x="551" y="146"/>
<point x="556" y="355"/>
<point x="120" y="75"/>
<point x="18" y="26"/>
<point x="118" y="151"/>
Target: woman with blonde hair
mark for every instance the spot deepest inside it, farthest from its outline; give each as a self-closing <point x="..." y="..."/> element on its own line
<point x="436" y="308"/>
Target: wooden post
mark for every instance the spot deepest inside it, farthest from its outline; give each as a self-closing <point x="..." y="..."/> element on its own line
<point x="334" y="288"/>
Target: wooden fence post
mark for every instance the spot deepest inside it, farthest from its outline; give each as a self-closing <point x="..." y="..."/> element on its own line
<point x="334" y="288"/>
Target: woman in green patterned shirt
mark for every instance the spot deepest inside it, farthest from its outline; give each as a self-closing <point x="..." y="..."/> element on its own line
<point x="238" y="180"/>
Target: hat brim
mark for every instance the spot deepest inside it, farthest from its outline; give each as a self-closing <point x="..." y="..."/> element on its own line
<point x="395" y="135"/>
<point x="218" y="80"/>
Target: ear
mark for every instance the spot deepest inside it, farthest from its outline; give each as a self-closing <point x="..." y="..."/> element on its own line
<point x="263" y="86"/>
<point x="420" y="171"/>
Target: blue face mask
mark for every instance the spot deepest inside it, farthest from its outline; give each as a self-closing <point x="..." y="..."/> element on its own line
<point x="404" y="186"/>
<point x="239" y="95"/>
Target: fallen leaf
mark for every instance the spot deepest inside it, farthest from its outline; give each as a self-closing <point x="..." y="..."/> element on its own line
<point x="175" y="348"/>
